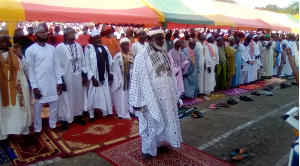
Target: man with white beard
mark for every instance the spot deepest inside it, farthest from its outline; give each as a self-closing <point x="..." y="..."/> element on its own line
<point x="155" y="97"/>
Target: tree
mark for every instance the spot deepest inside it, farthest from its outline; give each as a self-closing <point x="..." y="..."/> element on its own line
<point x="227" y="1"/>
<point x="291" y="9"/>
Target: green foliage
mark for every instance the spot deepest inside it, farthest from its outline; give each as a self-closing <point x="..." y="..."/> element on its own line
<point x="291" y="9"/>
<point x="227" y="1"/>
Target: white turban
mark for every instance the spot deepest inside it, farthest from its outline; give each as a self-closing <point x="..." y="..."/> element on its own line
<point x="95" y="33"/>
<point x="208" y="36"/>
<point x="124" y="39"/>
<point x="175" y="40"/>
<point x="38" y="28"/>
<point x="139" y="30"/>
<point x="247" y="34"/>
<point x="254" y="36"/>
<point x="156" y="31"/>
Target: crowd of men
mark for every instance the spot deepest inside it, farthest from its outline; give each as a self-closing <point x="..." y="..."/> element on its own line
<point x="144" y="75"/>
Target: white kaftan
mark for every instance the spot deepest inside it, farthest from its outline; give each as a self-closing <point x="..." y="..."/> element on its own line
<point x="159" y="96"/>
<point x="200" y="46"/>
<point x="268" y="59"/>
<point x="210" y="79"/>
<point x="16" y="119"/>
<point x="257" y="60"/>
<point x="138" y="47"/>
<point x="98" y="97"/>
<point x="72" y="62"/>
<point x="245" y="55"/>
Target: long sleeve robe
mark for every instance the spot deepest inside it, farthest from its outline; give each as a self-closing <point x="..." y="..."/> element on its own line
<point x="72" y="102"/>
<point x="210" y="79"/>
<point x="201" y="78"/>
<point x="98" y="97"/>
<point x="268" y="57"/>
<point x="238" y="71"/>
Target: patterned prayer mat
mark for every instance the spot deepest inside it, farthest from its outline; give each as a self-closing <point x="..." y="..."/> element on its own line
<point x="104" y="131"/>
<point x="3" y="157"/>
<point x="274" y="81"/>
<point x="250" y="86"/>
<point x="129" y="153"/>
<point x="190" y="102"/>
<point x="234" y="91"/>
<point x="34" y="152"/>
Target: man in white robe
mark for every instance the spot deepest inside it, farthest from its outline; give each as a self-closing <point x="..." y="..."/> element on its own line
<point x="72" y="101"/>
<point x="15" y="112"/>
<point x="200" y="47"/>
<point x="155" y="96"/>
<point x="286" y="69"/>
<point x="247" y="63"/>
<point x="121" y="70"/>
<point x="211" y="59"/>
<point x="98" y="64"/>
<point x="268" y="56"/>
<point x="141" y="44"/>
<point x="45" y="79"/>
<point x="252" y="67"/>
<point x="256" y="55"/>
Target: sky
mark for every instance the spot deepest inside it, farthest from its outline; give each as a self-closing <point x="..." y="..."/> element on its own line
<point x="263" y="3"/>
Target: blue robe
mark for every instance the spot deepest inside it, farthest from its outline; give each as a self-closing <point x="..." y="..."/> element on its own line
<point x="190" y="77"/>
<point x="238" y="63"/>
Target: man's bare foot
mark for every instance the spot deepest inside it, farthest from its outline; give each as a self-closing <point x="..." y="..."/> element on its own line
<point x="147" y="157"/>
<point x="163" y="149"/>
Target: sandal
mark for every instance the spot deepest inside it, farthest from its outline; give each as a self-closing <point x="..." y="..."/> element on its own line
<point x="224" y="105"/>
<point x="232" y="101"/>
<point x="244" y="98"/>
<point x="213" y="106"/>
<point x="238" y="151"/>
<point x="255" y="93"/>
<point x="197" y="114"/>
<point x="294" y="83"/>
<point x="248" y="98"/>
<point x="239" y="157"/>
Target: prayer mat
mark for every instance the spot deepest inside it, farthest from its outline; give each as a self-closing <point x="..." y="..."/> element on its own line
<point x="3" y="157"/>
<point x="104" y="131"/>
<point x="274" y="81"/>
<point x="251" y="86"/>
<point x="234" y="91"/>
<point x="29" y="153"/>
<point x="129" y="153"/>
<point x="190" y="102"/>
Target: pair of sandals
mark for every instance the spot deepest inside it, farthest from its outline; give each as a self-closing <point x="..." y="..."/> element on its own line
<point x="239" y="154"/>
<point x="255" y="93"/>
<point x="283" y="85"/>
<point x="269" y="88"/>
<point x="267" y="93"/>
<point x="223" y="105"/>
<point x="245" y="98"/>
<point x="232" y="101"/>
<point x="197" y="114"/>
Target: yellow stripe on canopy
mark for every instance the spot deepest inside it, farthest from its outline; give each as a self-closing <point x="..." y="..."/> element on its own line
<point x="11" y="10"/>
<point x="160" y="15"/>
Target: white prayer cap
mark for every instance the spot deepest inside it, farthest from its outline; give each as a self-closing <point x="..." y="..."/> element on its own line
<point x="247" y="34"/>
<point x="175" y="40"/>
<point x="124" y="39"/>
<point x="139" y="30"/>
<point x="95" y="33"/>
<point x="254" y="36"/>
<point x="219" y="38"/>
<point x="230" y="38"/>
<point x="68" y="30"/>
<point x="155" y="31"/>
<point x="4" y="33"/>
<point x="38" y="29"/>
<point x="208" y="36"/>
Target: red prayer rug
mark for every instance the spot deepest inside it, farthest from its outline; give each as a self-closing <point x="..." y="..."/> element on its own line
<point x="41" y="150"/>
<point x="190" y="102"/>
<point x="129" y="153"/>
<point x="271" y="81"/>
<point x="234" y="91"/>
<point x="250" y="86"/>
<point x="104" y="131"/>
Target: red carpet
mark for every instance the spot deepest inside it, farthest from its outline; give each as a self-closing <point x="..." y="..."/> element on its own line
<point x="105" y="131"/>
<point x="250" y="86"/>
<point x="44" y="149"/>
<point x="129" y="153"/>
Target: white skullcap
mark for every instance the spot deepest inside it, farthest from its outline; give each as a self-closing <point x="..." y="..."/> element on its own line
<point x="95" y="33"/>
<point x="254" y="36"/>
<point x="68" y="30"/>
<point x="157" y="31"/>
<point x="260" y="35"/>
<point x="124" y="39"/>
<point x="175" y="40"/>
<point x="208" y="36"/>
<point x="247" y="34"/>
<point x="139" y="30"/>
<point x="38" y="28"/>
